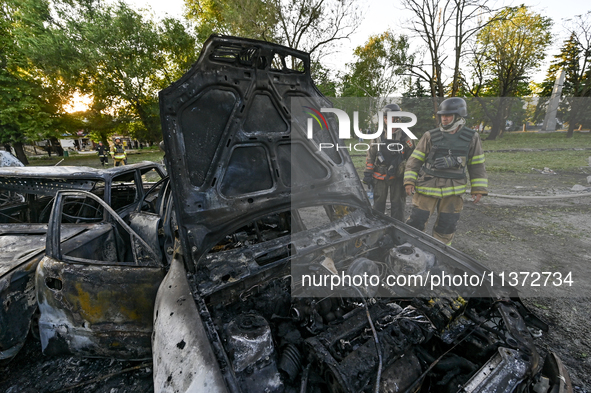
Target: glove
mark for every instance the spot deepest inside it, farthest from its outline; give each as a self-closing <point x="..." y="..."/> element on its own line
<point x="391" y="171"/>
<point x="447" y="162"/>
<point x="368" y="178"/>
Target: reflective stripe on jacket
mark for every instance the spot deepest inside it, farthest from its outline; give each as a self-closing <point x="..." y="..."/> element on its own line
<point x="118" y="152"/>
<point x="441" y="187"/>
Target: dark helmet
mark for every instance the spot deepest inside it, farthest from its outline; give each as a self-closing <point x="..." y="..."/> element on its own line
<point x="391" y="108"/>
<point x="453" y="105"/>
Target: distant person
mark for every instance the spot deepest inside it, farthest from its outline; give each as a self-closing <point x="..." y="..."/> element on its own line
<point x="103" y="153"/>
<point x="118" y="153"/>
<point x="437" y="168"/>
<point x="384" y="168"/>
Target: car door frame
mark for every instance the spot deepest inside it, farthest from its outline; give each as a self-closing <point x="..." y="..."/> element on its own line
<point x="96" y="308"/>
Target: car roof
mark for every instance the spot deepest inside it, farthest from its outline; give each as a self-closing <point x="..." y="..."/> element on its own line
<point x="70" y="172"/>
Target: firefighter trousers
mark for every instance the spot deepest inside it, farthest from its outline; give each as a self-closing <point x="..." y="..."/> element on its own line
<point x="397" y="197"/>
<point x="448" y="215"/>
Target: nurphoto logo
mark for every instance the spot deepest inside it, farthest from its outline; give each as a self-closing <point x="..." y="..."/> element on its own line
<point x="393" y="122"/>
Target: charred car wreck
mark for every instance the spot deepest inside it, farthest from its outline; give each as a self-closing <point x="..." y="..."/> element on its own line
<point x="234" y="314"/>
<point x="26" y="200"/>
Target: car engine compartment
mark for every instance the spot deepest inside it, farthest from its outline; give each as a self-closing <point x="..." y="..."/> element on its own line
<point x="271" y="336"/>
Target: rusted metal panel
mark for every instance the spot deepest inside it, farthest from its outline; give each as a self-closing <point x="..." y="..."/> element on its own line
<point x="26" y="204"/>
<point x="96" y="310"/>
<point x="147" y="225"/>
<point x="22" y="248"/>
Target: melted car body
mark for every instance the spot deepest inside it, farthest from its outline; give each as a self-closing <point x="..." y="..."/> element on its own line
<point x="26" y="201"/>
<point x="96" y="290"/>
<point x="261" y="209"/>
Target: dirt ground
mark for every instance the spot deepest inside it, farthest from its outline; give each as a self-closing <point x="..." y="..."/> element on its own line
<point x="503" y="234"/>
<point x="535" y="235"/>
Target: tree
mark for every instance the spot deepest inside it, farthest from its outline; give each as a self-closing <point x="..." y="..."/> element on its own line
<point x="437" y="23"/>
<point x="314" y="26"/>
<point x="507" y="50"/>
<point x="575" y="59"/>
<point x="255" y="19"/>
<point x="30" y="104"/>
<point x="324" y="80"/>
<point x="113" y="53"/>
<point x="378" y="66"/>
<point x="417" y="100"/>
<point x="374" y="75"/>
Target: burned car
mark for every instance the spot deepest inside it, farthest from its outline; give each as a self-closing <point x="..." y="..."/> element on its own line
<point x="96" y="291"/>
<point x="247" y="306"/>
<point x="27" y="196"/>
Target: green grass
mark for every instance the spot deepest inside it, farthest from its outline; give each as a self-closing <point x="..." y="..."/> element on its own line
<point x="523" y="162"/>
<point x="92" y="160"/>
<point x="517" y="162"/>
<point x="535" y="140"/>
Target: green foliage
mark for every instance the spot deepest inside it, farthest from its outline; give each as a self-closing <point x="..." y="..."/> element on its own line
<point x="30" y="104"/>
<point x="314" y="26"/>
<point x="377" y="67"/>
<point x="113" y="53"/>
<point x="323" y="80"/>
<point x="509" y="48"/>
<point x="569" y="59"/>
<point x="245" y="18"/>
<point x="575" y="59"/>
<point x="417" y="100"/>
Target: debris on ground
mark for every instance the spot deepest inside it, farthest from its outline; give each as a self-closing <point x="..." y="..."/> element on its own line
<point x="545" y="171"/>
<point x="578" y="187"/>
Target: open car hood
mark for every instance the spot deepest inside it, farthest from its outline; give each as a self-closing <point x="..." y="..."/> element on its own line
<point x="230" y="148"/>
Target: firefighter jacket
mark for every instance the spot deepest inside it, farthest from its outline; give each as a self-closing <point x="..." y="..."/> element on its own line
<point x="465" y="147"/>
<point x="102" y="151"/>
<point x="382" y="162"/>
<point x="118" y="152"/>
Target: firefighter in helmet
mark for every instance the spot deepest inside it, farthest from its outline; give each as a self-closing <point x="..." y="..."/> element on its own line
<point x="436" y="171"/>
<point x="384" y="167"/>
<point x="118" y="152"/>
<point x="103" y="151"/>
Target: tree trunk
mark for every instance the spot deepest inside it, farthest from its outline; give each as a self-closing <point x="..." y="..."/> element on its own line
<point x="20" y="153"/>
<point x="57" y="146"/>
<point x="495" y="130"/>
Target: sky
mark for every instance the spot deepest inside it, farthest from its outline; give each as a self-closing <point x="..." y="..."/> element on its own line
<point x="381" y="15"/>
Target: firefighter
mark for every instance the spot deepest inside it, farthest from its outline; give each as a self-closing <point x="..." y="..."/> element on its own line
<point x="436" y="171"/>
<point x="118" y="153"/>
<point x="103" y="153"/>
<point x="384" y="168"/>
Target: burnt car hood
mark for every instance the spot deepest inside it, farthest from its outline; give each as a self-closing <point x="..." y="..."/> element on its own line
<point x="230" y="147"/>
<point x="21" y="242"/>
